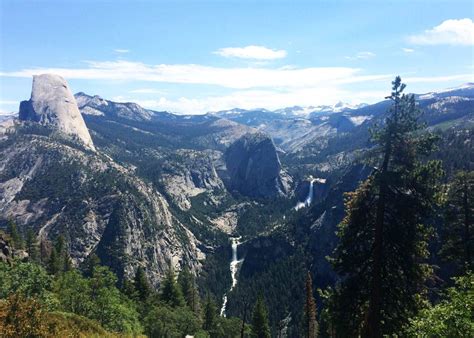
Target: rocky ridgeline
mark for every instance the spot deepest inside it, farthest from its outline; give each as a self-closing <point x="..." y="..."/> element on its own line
<point x="52" y="104"/>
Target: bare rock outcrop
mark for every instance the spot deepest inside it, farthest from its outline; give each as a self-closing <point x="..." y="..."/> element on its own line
<point x="52" y="104"/>
<point x="254" y="168"/>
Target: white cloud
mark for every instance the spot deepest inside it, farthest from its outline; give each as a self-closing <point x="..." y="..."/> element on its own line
<point x="469" y="77"/>
<point x="275" y="98"/>
<point x="238" y="78"/>
<point x="122" y="51"/>
<point x="251" y="87"/>
<point x="361" y="55"/>
<point x="252" y="52"/>
<point x="248" y="99"/>
<point x="5" y="102"/>
<point x="147" y="91"/>
<point x="408" y="50"/>
<point x="449" y="32"/>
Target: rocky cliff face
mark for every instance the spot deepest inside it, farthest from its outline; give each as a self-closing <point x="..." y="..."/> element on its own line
<point x="192" y="175"/>
<point x="98" y="205"/>
<point x="52" y="104"/>
<point x="254" y="168"/>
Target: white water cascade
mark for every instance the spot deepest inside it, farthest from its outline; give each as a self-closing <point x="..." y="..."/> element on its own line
<point x="234" y="264"/>
<point x="309" y="199"/>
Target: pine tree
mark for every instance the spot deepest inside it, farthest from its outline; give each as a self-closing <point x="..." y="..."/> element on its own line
<point x="44" y="251"/>
<point x="15" y="235"/>
<point x="188" y="287"/>
<point x="310" y="323"/>
<point x="210" y="315"/>
<point x="260" y="324"/>
<point x="458" y="241"/>
<point x="92" y="261"/>
<point x="32" y="245"/>
<point x="60" y="245"/>
<point x="141" y="284"/>
<point x="59" y="260"/>
<point x="170" y="291"/>
<point x="128" y="288"/>
<point x="383" y="243"/>
<point x="54" y="263"/>
<point x="67" y="266"/>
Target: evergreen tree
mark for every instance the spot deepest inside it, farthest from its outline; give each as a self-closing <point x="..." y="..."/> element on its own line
<point x="188" y="287"/>
<point x="92" y="261"/>
<point x="59" y="260"/>
<point x="170" y="291"/>
<point x="383" y="242"/>
<point x="67" y="262"/>
<point x="458" y="241"/>
<point x="44" y="251"/>
<point x="60" y="245"/>
<point x="54" y="263"/>
<point x="32" y="245"/>
<point x="310" y="323"/>
<point x="260" y="323"/>
<point x="12" y="230"/>
<point x="210" y="316"/>
<point x="128" y="288"/>
<point x="141" y="284"/>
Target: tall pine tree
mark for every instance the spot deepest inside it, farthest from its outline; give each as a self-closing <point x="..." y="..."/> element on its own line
<point x="210" y="316"/>
<point x="32" y="245"/>
<point x="170" y="291"/>
<point x="15" y="234"/>
<point x="458" y="237"/>
<point x="188" y="286"/>
<point x="381" y="256"/>
<point x="260" y="323"/>
<point x="59" y="260"/>
<point x="142" y="287"/>
<point x="310" y="323"/>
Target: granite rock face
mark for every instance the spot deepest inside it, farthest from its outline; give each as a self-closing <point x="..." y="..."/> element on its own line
<point x="254" y="168"/>
<point x="52" y="104"/>
<point x="99" y="206"/>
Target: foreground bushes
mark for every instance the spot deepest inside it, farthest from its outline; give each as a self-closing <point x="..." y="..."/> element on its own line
<point x="34" y="303"/>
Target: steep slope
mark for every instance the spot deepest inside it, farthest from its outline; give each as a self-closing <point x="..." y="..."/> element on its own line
<point x="52" y="104"/>
<point x="254" y="167"/>
<point x="182" y="156"/>
<point x="98" y="205"/>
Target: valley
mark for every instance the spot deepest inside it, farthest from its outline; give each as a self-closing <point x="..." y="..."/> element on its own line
<point x="246" y="201"/>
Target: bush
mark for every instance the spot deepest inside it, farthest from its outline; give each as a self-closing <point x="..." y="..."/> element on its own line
<point x="164" y="321"/>
<point x="452" y="317"/>
<point x="22" y="317"/>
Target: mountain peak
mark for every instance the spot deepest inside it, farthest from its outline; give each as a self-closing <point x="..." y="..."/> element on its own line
<point x="53" y="104"/>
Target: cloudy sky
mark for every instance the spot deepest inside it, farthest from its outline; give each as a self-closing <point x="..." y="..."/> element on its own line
<point x="199" y="56"/>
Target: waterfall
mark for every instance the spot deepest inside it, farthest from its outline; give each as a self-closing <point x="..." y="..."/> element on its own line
<point x="309" y="199"/>
<point x="234" y="263"/>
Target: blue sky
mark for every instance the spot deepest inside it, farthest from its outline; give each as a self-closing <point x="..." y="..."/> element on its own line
<point x="198" y="56"/>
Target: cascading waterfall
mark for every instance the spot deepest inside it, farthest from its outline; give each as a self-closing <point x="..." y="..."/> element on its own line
<point x="309" y="199"/>
<point x="234" y="264"/>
